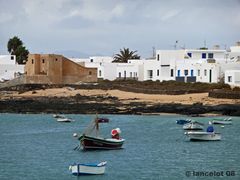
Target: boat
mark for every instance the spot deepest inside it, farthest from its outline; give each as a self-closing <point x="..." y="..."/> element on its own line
<point x="183" y="121"/>
<point x="203" y="136"/>
<point x="88" y="169"/>
<point x="226" y="121"/>
<point x="91" y="139"/>
<point x="58" y="116"/>
<point x="64" y="120"/>
<point x="193" y="126"/>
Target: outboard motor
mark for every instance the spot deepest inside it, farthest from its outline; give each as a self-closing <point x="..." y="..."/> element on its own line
<point x="210" y="129"/>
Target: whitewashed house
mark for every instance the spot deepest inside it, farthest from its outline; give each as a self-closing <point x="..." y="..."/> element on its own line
<point x="232" y="77"/>
<point x="114" y="71"/>
<point x="9" y="69"/>
<point x="95" y="62"/>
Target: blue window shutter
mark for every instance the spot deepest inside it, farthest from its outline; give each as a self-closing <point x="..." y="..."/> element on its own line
<point x="178" y="72"/>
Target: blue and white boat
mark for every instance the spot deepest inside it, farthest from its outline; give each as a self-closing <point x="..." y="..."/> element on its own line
<point x="88" y="169"/>
<point x="183" y="121"/>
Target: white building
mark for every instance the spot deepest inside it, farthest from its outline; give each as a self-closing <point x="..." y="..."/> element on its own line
<point x="94" y="62"/>
<point x="114" y="71"/>
<point x="9" y="69"/>
<point x="232" y="77"/>
<point x="186" y="65"/>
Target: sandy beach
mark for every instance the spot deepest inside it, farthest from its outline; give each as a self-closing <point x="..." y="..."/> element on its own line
<point x="127" y="97"/>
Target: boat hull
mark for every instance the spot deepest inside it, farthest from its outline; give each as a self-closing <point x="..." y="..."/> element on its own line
<point x="88" y="169"/>
<point x="89" y="142"/>
<point x="222" y="122"/>
<point x="203" y="136"/>
<point x="66" y="120"/>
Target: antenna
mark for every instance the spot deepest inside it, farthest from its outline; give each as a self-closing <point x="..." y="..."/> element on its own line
<point x="175" y="46"/>
<point x="154" y="52"/>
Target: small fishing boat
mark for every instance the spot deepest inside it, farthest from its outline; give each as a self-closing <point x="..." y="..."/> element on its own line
<point x="64" y="120"/>
<point x="91" y="139"/>
<point x="226" y="121"/>
<point x="183" y="121"/>
<point x="203" y="136"/>
<point x="58" y="116"/>
<point x="193" y="126"/>
<point x="88" y="169"/>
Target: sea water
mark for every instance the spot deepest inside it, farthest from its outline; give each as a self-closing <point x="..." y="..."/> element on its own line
<point x="36" y="146"/>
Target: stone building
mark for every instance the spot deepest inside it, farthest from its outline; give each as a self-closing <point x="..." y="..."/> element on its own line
<point x="56" y="69"/>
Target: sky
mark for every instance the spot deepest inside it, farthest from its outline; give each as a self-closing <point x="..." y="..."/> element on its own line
<point x="82" y="28"/>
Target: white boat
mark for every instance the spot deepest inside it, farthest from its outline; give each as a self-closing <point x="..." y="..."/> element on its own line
<point x="88" y="169"/>
<point x="226" y="121"/>
<point x="203" y="136"/>
<point x="64" y="120"/>
<point x="58" y="116"/>
<point x="193" y="126"/>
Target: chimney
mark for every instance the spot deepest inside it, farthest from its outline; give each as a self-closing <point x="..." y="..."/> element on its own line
<point x="216" y="47"/>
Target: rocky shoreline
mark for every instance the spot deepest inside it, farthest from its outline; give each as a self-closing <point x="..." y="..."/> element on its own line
<point x="107" y="105"/>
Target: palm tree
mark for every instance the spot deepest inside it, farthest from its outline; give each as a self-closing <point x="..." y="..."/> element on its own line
<point x="15" y="47"/>
<point x="13" y="44"/>
<point x="124" y="55"/>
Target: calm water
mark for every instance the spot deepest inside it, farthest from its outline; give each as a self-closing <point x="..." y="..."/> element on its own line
<point x="38" y="147"/>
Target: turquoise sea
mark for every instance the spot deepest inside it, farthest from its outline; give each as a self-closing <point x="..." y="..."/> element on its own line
<point x="35" y="146"/>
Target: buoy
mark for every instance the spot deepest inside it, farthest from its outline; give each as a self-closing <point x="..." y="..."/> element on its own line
<point x="222" y="126"/>
<point x="75" y="135"/>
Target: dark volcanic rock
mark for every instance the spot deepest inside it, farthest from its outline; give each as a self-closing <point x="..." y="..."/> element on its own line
<point x="88" y="105"/>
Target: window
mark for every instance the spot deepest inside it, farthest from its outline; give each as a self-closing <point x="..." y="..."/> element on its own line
<point x="205" y="72"/>
<point x="56" y="59"/>
<point x="12" y="57"/>
<point x="150" y="73"/>
<point x="158" y="57"/>
<point x="210" y="55"/>
<point x="100" y="73"/>
<point x="32" y="61"/>
<point x="125" y="74"/>
<point x="91" y="60"/>
<point x="198" y="72"/>
<point x="43" y="60"/>
<point x="178" y="73"/>
<point x="158" y="72"/>
<point x="192" y="72"/>
<point x="119" y="74"/>
<point x="130" y="74"/>
<point x="90" y="72"/>
<point x="172" y="73"/>
<point x="229" y="78"/>
<point x="189" y="54"/>
<point x="203" y="55"/>
<point x="185" y="72"/>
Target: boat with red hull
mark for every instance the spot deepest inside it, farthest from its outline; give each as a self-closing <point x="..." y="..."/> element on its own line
<point x="89" y="141"/>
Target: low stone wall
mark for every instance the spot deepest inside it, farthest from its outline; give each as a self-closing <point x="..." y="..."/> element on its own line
<point x="224" y="94"/>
